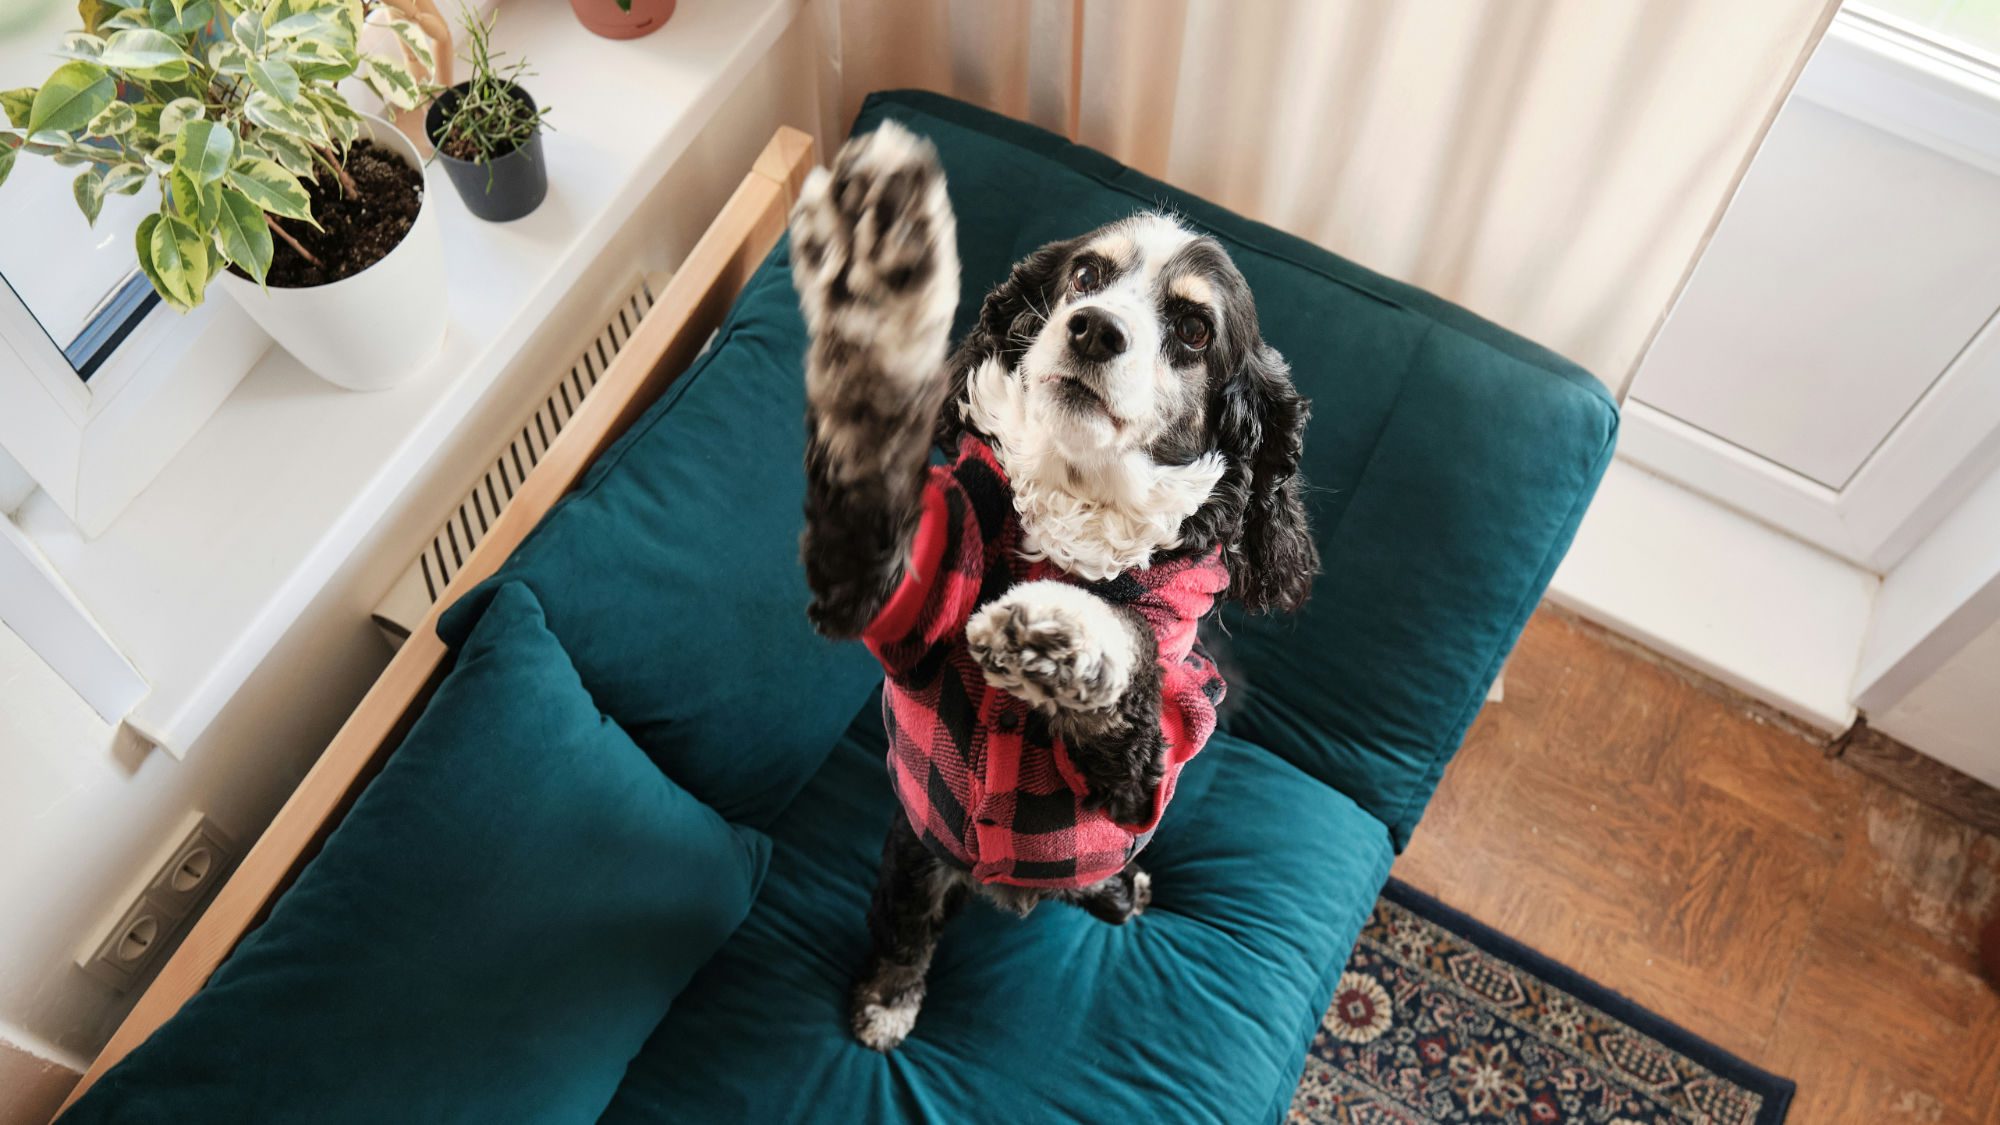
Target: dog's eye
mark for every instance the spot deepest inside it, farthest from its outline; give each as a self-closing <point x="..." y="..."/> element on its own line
<point x="1086" y="277"/>
<point x="1193" y="330"/>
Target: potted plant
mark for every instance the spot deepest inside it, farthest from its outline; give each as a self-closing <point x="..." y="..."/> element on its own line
<point x="488" y="132"/>
<point x="271" y="186"/>
<point x="622" y="19"/>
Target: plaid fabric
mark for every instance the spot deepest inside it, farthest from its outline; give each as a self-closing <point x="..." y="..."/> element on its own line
<point x="983" y="780"/>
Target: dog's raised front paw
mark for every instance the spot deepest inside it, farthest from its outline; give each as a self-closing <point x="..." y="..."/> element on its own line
<point x="874" y="244"/>
<point x="1054" y="645"/>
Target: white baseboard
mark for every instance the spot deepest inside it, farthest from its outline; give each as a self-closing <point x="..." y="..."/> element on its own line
<point x="1772" y="617"/>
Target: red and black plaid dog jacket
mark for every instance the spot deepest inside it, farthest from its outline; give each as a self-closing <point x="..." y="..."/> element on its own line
<point x="985" y="783"/>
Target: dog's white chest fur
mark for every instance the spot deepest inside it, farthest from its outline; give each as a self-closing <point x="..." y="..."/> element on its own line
<point x="1095" y="516"/>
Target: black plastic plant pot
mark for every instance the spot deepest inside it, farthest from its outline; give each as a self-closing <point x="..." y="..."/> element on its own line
<point x="499" y="190"/>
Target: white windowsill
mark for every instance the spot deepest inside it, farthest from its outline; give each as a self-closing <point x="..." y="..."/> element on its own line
<point x="209" y="567"/>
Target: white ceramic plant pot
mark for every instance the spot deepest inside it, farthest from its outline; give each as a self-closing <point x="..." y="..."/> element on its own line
<point x="370" y="331"/>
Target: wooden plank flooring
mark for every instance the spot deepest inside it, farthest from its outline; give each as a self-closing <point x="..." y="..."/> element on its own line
<point x="1722" y="871"/>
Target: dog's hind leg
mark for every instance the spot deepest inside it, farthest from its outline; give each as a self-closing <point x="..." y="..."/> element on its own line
<point x="915" y="896"/>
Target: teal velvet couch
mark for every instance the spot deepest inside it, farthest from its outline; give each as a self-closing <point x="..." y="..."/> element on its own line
<point x="1449" y="463"/>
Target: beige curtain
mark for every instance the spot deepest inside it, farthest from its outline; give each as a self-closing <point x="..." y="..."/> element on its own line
<point x="1554" y="165"/>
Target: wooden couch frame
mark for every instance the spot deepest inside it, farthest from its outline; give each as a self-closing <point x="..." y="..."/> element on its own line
<point x="666" y="341"/>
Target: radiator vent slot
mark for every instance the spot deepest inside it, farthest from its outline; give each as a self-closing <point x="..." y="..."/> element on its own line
<point x="420" y="586"/>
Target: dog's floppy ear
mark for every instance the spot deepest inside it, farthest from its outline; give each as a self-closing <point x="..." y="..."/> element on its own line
<point x="1008" y="320"/>
<point x="1261" y="426"/>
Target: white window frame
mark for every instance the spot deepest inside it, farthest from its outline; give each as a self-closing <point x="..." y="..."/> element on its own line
<point x="94" y="446"/>
<point x="1906" y="85"/>
<point x="41" y="610"/>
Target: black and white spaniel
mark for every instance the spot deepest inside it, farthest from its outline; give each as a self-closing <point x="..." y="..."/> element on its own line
<point x="1123" y="435"/>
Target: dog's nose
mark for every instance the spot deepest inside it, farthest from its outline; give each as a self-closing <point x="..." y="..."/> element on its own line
<point x="1096" y="335"/>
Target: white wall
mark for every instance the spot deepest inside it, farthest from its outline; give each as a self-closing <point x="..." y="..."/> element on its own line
<point x="80" y="813"/>
<point x="1955" y="715"/>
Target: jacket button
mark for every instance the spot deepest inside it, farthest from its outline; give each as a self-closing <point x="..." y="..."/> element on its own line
<point x="1006" y="721"/>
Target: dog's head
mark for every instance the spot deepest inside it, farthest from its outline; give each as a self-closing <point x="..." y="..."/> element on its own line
<point x="1131" y="361"/>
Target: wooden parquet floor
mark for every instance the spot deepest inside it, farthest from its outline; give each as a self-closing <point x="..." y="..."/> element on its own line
<point x="1723" y="872"/>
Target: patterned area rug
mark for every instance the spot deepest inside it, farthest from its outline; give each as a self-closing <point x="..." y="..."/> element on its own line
<point x="1439" y="1019"/>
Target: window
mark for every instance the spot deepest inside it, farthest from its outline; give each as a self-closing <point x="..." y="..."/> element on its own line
<point x="1970" y="27"/>
<point x="77" y="283"/>
<point x="100" y="383"/>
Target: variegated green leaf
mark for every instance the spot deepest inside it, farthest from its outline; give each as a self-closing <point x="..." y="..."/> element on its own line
<point x="276" y="78"/>
<point x="180" y="18"/>
<point x="80" y="45"/>
<point x="272" y="188"/>
<point x="75" y="93"/>
<point x="305" y="25"/>
<point x="225" y="57"/>
<point x="342" y="123"/>
<point x="421" y="50"/>
<point x="319" y="62"/>
<point x="247" y="30"/>
<point x="145" y="54"/>
<point x="290" y="152"/>
<point x="242" y="234"/>
<point x="93" y="13"/>
<point x="8" y="154"/>
<point x="207" y="149"/>
<point x="195" y="202"/>
<point x="179" y="259"/>
<point x="18" y="104"/>
<point x="89" y="192"/>
<point x="142" y="240"/>
<point x="125" y="179"/>
<point x="117" y="119"/>
<point x="391" y="83"/>
<point x="177" y="113"/>
<point x="272" y="114"/>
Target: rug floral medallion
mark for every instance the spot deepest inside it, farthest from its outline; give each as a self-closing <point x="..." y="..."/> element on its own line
<point x="1437" y="1019"/>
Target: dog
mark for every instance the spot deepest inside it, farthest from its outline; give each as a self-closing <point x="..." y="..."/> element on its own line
<point x="1127" y="450"/>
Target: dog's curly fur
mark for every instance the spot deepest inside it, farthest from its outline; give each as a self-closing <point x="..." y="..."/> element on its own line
<point x="1121" y="380"/>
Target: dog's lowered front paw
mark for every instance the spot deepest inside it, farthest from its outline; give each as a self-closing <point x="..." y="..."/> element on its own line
<point x="874" y="245"/>
<point x="1055" y="646"/>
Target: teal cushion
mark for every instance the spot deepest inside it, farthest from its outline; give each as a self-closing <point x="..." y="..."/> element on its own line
<point x="1198" y="1011"/>
<point x="488" y="936"/>
<point x="672" y="574"/>
<point x="1449" y="462"/>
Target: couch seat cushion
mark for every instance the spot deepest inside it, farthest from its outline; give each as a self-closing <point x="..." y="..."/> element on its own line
<point x="488" y="936"/>
<point x="1197" y="1011"/>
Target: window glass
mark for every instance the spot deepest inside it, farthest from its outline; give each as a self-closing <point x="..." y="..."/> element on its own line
<point x="1970" y="26"/>
<point x="80" y="282"/>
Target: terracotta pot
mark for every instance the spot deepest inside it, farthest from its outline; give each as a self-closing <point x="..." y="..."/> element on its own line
<point x="606" y="18"/>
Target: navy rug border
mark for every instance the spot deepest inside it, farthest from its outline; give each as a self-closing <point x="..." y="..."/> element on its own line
<point x="1777" y="1091"/>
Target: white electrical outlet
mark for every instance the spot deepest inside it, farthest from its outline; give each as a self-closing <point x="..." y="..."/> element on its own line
<point x="179" y="880"/>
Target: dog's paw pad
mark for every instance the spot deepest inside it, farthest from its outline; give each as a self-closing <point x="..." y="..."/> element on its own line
<point x="875" y="237"/>
<point x="1053" y="645"/>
